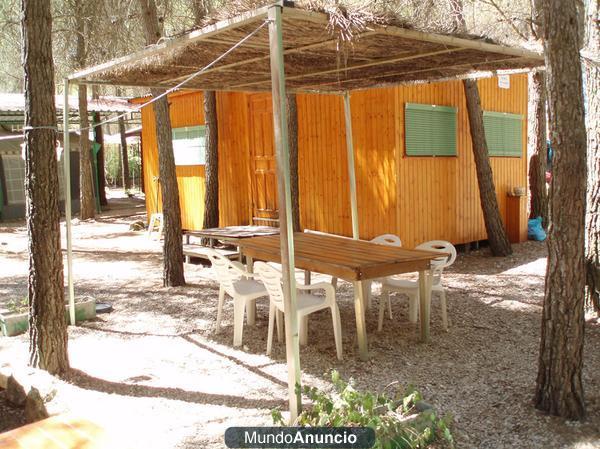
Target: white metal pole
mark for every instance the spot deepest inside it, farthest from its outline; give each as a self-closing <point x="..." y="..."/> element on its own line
<point x="351" y="169"/>
<point x="286" y="233"/>
<point x="67" y="190"/>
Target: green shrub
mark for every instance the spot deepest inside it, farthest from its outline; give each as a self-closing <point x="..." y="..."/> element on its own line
<point x="401" y="421"/>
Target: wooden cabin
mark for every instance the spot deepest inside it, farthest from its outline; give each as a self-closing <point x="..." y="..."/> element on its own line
<point x="414" y="164"/>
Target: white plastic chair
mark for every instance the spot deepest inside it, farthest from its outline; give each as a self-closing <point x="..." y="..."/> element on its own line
<point x="238" y="283"/>
<point x="154" y="219"/>
<point x="411" y="288"/>
<point x="383" y="239"/>
<point x="307" y="303"/>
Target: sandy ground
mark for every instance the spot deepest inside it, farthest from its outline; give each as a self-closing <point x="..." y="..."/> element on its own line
<point x="156" y="370"/>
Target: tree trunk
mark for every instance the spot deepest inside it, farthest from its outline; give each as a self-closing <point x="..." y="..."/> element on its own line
<point x="494" y="226"/>
<point x="200" y="9"/>
<point x="537" y="147"/>
<point x="99" y="139"/>
<point x="173" y="244"/>
<point x="559" y="389"/>
<point x="592" y="84"/>
<point x="87" y="205"/>
<point x="292" y="116"/>
<point x="124" y="156"/>
<point x="86" y="178"/>
<point x="211" y="173"/>
<point x="47" y="324"/>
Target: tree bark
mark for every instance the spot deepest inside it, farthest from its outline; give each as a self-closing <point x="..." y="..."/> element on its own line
<point x="99" y="139"/>
<point x="537" y="147"/>
<point x="494" y="226"/>
<point x="87" y="206"/>
<point x="211" y="173"/>
<point x="200" y="8"/>
<point x="124" y="157"/>
<point x="559" y="388"/>
<point x="173" y="274"/>
<point x="292" y="117"/>
<point x="591" y="72"/>
<point x="47" y="324"/>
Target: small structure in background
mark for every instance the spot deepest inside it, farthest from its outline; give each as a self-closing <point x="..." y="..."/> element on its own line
<point x="12" y="174"/>
<point x="12" y="165"/>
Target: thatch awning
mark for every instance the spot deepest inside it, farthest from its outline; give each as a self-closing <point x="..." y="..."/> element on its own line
<point x="315" y="58"/>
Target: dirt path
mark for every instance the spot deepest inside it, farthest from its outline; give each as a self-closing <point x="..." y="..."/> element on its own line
<point x="156" y="369"/>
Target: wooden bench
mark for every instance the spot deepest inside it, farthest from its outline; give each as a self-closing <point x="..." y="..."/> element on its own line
<point x="59" y="432"/>
<point x="195" y="250"/>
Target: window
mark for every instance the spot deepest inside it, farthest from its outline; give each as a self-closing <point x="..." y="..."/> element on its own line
<point x="14" y="175"/>
<point x="189" y="145"/>
<point x="503" y="133"/>
<point x="430" y="130"/>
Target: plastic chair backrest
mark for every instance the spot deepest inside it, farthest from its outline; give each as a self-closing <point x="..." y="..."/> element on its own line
<point x="442" y="262"/>
<point x="271" y="278"/>
<point x="387" y="239"/>
<point x="226" y="272"/>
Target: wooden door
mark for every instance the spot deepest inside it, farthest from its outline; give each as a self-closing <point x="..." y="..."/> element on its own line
<point x="262" y="161"/>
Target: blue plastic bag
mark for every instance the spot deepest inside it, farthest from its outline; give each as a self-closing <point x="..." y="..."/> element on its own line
<point x="535" y="231"/>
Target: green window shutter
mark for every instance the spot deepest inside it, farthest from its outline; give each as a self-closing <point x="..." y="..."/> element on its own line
<point x="430" y="130"/>
<point x="503" y="133"/>
<point x="189" y="145"/>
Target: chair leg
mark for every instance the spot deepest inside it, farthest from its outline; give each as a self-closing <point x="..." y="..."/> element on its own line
<point x="443" y="306"/>
<point x="280" y="320"/>
<point x="413" y="307"/>
<point x="272" y="312"/>
<point x="334" y="282"/>
<point x="239" y="306"/>
<point x="251" y="312"/>
<point x="151" y="225"/>
<point x="220" y="308"/>
<point x="389" y="305"/>
<point x="337" y="330"/>
<point x="384" y="300"/>
<point x="161" y="226"/>
<point x="303" y="330"/>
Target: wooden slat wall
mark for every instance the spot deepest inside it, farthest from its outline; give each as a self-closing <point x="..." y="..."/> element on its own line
<point x="187" y="110"/>
<point x="418" y="198"/>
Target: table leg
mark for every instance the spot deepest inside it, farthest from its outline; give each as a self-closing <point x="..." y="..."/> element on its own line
<point x="424" y="303"/>
<point x="359" y="311"/>
<point x="307" y="277"/>
<point x="251" y="310"/>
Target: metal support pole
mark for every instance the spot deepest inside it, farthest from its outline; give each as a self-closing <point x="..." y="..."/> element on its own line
<point x="286" y="234"/>
<point x="351" y="170"/>
<point x="67" y="189"/>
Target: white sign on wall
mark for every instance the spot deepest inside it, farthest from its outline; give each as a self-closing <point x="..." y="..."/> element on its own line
<point x="504" y="81"/>
<point x="189" y="145"/>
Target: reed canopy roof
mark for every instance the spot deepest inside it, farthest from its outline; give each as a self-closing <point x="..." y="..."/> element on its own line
<point x="317" y="58"/>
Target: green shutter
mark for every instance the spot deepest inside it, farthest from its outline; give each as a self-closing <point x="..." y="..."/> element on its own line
<point x="430" y="130"/>
<point x="503" y="133"/>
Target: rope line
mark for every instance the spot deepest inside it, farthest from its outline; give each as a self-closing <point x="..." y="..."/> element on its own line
<point x="165" y="93"/>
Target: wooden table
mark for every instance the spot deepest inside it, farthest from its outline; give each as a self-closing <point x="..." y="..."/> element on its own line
<point x="60" y="432"/>
<point x="233" y="234"/>
<point x="355" y="261"/>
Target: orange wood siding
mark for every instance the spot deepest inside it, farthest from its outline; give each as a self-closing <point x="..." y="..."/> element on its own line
<point x="418" y="198"/>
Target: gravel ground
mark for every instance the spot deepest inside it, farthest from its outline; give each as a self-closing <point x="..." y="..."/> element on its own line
<point x="156" y="370"/>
